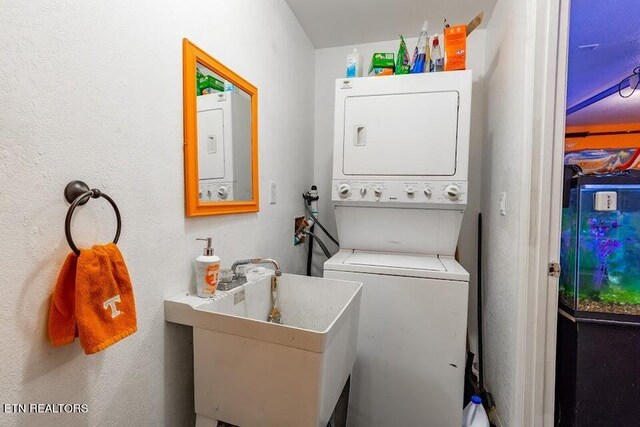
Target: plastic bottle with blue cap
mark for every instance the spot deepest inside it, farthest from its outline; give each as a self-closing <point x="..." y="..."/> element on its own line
<point x="474" y="414"/>
<point x="354" y="64"/>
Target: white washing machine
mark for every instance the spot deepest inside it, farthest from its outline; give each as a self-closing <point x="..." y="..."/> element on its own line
<point x="401" y="147"/>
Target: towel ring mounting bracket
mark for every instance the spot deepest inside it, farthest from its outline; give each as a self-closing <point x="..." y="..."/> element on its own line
<point x="78" y="193"/>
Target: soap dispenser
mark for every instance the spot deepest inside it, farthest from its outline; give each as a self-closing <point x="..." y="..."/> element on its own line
<point x="207" y="268"/>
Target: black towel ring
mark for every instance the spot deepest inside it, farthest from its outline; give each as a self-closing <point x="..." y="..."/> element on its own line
<point x="78" y="193"/>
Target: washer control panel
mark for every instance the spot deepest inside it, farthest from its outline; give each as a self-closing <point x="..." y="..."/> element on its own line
<point x="400" y="191"/>
<point x="213" y="191"/>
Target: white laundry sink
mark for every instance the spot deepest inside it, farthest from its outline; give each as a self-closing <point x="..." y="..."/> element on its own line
<point x="249" y="372"/>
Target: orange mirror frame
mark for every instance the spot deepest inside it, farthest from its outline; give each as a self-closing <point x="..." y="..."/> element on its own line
<point x="191" y="55"/>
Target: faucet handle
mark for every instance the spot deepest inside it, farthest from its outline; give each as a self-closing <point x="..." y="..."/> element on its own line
<point x="241" y="270"/>
<point x="226" y="275"/>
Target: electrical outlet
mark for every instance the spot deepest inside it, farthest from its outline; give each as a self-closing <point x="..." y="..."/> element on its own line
<point x="298" y="224"/>
<point x="503" y="203"/>
<point x="272" y="199"/>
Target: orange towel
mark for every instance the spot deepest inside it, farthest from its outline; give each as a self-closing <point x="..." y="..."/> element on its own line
<point x="93" y="299"/>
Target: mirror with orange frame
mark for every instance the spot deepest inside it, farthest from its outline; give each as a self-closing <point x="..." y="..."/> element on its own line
<point x="220" y="137"/>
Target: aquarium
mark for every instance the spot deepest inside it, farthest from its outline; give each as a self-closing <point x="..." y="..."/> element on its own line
<point x="600" y="245"/>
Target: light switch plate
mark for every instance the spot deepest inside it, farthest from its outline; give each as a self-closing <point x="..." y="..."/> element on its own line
<point x="605" y="201"/>
<point x="503" y="203"/>
<point x="272" y="198"/>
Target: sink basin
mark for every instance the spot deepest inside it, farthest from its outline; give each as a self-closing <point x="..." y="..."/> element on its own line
<point x="249" y="372"/>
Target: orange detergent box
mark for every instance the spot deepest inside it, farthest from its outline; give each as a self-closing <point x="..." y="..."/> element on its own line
<point x="455" y="47"/>
<point x="455" y="44"/>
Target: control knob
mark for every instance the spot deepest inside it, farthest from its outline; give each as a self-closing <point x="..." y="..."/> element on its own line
<point x="377" y="191"/>
<point x="344" y="190"/>
<point x="363" y="191"/>
<point x="223" y="191"/>
<point x="427" y="192"/>
<point x="410" y="191"/>
<point x="452" y="191"/>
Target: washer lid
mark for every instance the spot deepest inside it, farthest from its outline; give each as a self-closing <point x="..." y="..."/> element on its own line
<point x="412" y="262"/>
<point x="388" y="264"/>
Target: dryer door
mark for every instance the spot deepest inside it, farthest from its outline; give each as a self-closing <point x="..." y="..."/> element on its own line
<point x="211" y="144"/>
<point x="411" y="134"/>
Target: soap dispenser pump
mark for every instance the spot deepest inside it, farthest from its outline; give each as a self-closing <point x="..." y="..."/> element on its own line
<point x="207" y="268"/>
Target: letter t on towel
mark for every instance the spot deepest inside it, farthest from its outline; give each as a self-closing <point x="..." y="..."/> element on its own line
<point x="93" y="294"/>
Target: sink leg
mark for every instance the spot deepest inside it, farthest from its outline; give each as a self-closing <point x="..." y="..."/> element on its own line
<point x="339" y="416"/>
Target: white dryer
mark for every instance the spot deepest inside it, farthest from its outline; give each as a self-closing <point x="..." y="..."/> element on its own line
<point x="401" y="147"/>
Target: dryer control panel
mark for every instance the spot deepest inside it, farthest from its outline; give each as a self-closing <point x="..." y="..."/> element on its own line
<point x="418" y="192"/>
<point x="215" y="191"/>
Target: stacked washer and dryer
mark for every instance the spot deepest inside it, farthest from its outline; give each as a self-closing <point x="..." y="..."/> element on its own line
<point x="224" y="146"/>
<point x="401" y="149"/>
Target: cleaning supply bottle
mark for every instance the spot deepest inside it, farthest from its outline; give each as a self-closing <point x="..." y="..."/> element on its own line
<point x="421" y="53"/>
<point x="437" y="61"/>
<point x="474" y="414"/>
<point x="354" y="64"/>
<point x="207" y="268"/>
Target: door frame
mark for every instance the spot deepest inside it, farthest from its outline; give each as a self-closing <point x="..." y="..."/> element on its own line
<point x="547" y="52"/>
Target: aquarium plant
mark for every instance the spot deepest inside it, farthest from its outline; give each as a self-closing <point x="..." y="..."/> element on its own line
<point x="603" y="245"/>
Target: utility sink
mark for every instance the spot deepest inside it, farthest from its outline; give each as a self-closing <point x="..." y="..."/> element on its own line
<point x="249" y="372"/>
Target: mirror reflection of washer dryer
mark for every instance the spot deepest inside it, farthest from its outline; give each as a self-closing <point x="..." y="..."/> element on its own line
<point x="224" y="152"/>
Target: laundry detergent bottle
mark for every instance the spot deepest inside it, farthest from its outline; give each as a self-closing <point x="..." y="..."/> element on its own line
<point x="474" y="414"/>
<point x="207" y="268"/>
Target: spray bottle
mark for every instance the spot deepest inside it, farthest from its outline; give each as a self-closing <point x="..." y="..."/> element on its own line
<point x="421" y="53"/>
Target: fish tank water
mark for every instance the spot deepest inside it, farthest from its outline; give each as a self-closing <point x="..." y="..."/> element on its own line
<point x="600" y="245"/>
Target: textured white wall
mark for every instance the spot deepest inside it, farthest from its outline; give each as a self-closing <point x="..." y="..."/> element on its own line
<point x="330" y="65"/>
<point x="93" y="91"/>
<point x="502" y="165"/>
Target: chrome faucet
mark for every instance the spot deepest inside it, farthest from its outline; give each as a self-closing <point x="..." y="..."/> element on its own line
<point x="257" y="261"/>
